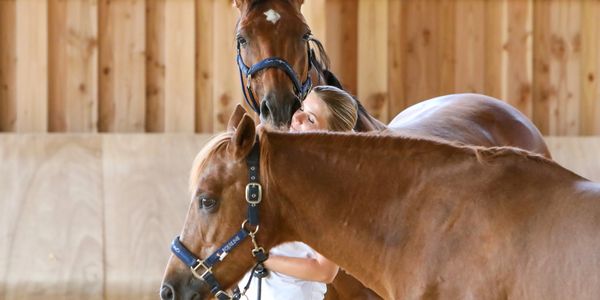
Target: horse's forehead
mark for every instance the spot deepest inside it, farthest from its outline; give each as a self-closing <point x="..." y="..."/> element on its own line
<point x="271" y="15"/>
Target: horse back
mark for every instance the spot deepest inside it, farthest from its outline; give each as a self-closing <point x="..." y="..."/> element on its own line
<point x="471" y="119"/>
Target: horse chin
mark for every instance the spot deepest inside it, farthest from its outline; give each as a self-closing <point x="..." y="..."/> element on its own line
<point x="269" y="125"/>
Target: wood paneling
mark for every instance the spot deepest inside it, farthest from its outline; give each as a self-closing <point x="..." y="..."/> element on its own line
<point x="578" y="154"/>
<point x="31" y="66"/>
<point x="169" y="65"/>
<point x="204" y="68"/>
<point x="51" y="226"/>
<point x="8" y="110"/>
<point x="589" y="122"/>
<point x="226" y="82"/>
<point x="155" y="66"/>
<point x="341" y="40"/>
<point x="73" y="64"/>
<point x="373" y="56"/>
<point x="146" y="193"/>
<point x="122" y="66"/>
<point x="179" y="71"/>
<point x="564" y="63"/>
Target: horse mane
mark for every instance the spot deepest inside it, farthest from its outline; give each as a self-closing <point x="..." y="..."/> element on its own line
<point x="214" y="145"/>
<point x="346" y="140"/>
<point x="321" y="59"/>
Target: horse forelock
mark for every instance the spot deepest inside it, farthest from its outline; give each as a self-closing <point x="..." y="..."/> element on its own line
<point x="215" y="145"/>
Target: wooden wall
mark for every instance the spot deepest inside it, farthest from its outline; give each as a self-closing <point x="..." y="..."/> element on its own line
<point x="92" y="216"/>
<point x="168" y="65"/>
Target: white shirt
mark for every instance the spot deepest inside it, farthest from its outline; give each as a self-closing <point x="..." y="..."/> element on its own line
<point x="277" y="286"/>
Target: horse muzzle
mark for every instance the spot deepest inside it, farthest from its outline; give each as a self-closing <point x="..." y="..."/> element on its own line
<point x="183" y="288"/>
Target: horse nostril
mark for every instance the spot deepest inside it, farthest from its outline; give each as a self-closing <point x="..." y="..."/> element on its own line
<point x="166" y="292"/>
<point x="265" y="111"/>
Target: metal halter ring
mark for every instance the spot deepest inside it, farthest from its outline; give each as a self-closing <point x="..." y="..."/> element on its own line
<point x="251" y="233"/>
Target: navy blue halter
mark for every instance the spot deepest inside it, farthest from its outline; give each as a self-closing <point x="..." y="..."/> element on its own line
<point x="300" y="89"/>
<point x="202" y="269"/>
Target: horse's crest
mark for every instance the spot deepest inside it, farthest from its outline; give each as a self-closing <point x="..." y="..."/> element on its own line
<point x="272" y="16"/>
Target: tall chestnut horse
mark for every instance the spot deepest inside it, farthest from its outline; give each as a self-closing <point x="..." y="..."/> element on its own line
<point x="278" y="67"/>
<point x="425" y="218"/>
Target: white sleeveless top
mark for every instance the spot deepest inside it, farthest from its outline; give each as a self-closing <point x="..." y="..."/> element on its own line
<point x="277" y="286"/>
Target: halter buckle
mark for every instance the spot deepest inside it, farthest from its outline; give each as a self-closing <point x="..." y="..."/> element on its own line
<point x="195" y="270"/>
<point x="253" y="193"/>
<point x="221" y="293"/>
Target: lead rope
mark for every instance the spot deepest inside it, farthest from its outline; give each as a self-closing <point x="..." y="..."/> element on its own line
<point x="259" y="271"/>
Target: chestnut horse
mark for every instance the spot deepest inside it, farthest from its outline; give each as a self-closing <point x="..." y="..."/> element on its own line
<point x="278" y="67"/>
<point x="427" y="218"/>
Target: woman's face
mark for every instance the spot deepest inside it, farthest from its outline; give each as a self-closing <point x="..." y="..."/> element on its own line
<point x="313" y="115"/>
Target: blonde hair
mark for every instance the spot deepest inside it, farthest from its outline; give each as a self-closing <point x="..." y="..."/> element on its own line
<point x="341" y="105"/>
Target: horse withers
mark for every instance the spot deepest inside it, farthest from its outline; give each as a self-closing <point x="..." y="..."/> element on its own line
<point x="425" y="219"/>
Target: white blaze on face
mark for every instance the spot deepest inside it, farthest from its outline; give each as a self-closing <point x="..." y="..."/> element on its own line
<point x="272" y="16"/>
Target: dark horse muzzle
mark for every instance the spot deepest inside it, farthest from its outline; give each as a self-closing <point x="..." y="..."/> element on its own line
<point x="301" y="89"/>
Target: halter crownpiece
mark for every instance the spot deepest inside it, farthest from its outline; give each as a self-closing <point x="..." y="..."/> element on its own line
<point x="301" y="89"/>
<point x="202" y="269"/>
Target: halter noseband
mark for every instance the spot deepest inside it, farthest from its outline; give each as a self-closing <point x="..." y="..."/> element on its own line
<point x="300" y="89"/>
<point x="202" y="269"/>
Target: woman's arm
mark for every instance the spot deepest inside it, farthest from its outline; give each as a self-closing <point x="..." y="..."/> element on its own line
<point x="314" y="269"/>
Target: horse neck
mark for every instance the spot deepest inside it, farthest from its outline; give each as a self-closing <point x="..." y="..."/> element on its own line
<point x="329" y="190"/>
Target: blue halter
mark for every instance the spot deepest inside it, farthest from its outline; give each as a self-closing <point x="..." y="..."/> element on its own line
<point x="300" y="89"/>
<point x="202" y="269"/>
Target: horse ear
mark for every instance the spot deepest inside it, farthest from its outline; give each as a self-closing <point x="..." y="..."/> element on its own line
<point x="236" y="117"/>
<point x="243" y="138"/>
<point x="237" y="3"/>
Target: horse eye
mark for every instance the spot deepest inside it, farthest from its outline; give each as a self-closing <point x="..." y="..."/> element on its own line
<point x="242" y="41"/>
<point x="207" y="203"/>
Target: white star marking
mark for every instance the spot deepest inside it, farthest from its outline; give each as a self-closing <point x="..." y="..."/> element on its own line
<point x="272" y="16"/>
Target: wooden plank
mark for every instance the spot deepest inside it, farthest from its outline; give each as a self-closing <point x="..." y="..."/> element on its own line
<point x="372" y="57"/>
<point x="8" y="101"/>
<point x="314" y="12"/>
<point x="578" y="154"/>
<point x="430" y="58"/>
<point x="517" y="57"/>
<point x="204" y="66"/>
<point x="226" y="88"/>
<point x="73" y="66"/>
<point x="445" y="31"/>
<point x="565" y="73"/>
<point x="122" y="66"/>
<point x="542" y="89"/>
<point x="148" y="195"/>
<point x="470" y="44"/>
<point x="341" y="37"/>
<point x="32" y="66"/>
<point x="396" y="57"/>
<point x="155" y="66"/>
<point x="590" y="68"/>
<point x="51" y="217"/>
<point x="495" y="23"/>
<point x="179" y="70"/>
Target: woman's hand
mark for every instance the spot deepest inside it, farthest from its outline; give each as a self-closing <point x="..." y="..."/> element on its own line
<point x="314" y="269"/>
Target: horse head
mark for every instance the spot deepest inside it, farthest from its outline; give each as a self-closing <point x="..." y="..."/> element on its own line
<point x="274" y="57"/>
<point x="220" y="240"/>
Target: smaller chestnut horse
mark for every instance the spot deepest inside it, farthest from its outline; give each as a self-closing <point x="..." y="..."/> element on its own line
<point x="426" y="219"/>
